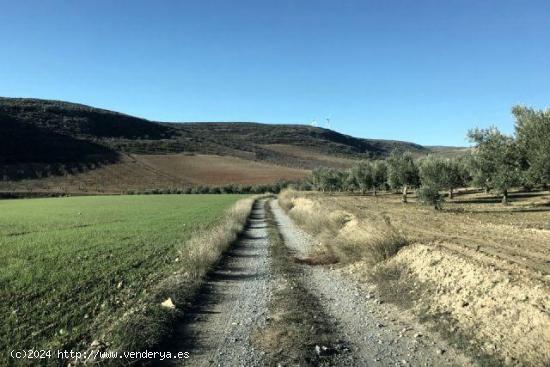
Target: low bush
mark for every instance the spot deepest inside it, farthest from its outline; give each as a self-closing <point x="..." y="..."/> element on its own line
<point x="429" y="195"/>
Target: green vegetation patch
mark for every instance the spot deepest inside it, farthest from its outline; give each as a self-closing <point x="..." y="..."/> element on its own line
<point x="65" y="263"/>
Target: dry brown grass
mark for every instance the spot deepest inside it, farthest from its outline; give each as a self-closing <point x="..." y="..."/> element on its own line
<point x="343" y="237"/>
<point x="205" y="248"/>
<point x="484" y="266"/>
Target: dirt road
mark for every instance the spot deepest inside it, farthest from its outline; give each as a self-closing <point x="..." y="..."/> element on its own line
<point x="234" y="303"/>
<point x="376" y="336"/>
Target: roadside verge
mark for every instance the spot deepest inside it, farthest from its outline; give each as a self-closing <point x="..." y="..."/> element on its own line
<point x="147" y="322"/>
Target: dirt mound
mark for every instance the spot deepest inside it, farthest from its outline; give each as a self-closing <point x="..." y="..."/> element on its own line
<point x="507" y="315"/>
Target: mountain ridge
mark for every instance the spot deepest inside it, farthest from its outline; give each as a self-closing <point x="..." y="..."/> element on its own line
<point x="47" y="137"/>
<point x="87" y="122"/>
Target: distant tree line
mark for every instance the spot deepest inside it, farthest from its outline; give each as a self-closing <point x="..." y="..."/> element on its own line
<point x="224" y="189"/>
<point x="497" y="162"/>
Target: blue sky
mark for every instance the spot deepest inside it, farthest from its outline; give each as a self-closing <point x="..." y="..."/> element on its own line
<point x="422" y="71"/>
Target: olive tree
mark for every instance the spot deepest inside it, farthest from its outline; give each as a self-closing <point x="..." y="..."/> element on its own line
<point x="327" y="179"/>
<point x="429" y="194"/>
<point x="362" y="176"/>
<point x="369" y="175"/>
<point x="453" y="175"/>
<point x="480" y="171"/>
<point x="437" y="174"/>
<point x="349" y="183"/>
<point x="316" y="179"/>
<point x="432" y="176"/>
<point x="496" y="160"/>
<point x="402" y="172"/>
<point x="533" y="140"/>
<point x="379" y="175"/>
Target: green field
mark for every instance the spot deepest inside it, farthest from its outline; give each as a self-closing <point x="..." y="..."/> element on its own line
<point x="67" y="262"/>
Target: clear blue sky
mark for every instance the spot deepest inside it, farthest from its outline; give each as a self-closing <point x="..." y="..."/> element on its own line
<point x="422" y="71"/>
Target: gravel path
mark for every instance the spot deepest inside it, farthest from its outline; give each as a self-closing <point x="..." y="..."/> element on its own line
<point x="232" y="302"/>
<point x="376" y="336"/>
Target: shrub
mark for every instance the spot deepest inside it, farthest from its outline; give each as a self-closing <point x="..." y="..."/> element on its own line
<point x="429" y="195"/>
<point x="214" y="190"/>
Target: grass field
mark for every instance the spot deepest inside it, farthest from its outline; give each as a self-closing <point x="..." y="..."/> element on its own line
<point x="66" y="263"/>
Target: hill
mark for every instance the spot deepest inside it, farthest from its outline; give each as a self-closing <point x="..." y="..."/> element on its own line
<point x="44" y="138"/>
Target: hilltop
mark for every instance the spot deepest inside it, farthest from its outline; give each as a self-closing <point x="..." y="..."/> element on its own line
<point x="45" y="138"/>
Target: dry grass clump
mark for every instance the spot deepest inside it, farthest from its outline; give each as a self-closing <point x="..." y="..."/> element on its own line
<point x="323" y="255"/>
<point x="343" y="237"/>
<point x="310" y="215"/>
<point x="205" y="247"/>
<point x="381" y="245"/>
<point x="371" y="240"/>
<point x="286" y="198"/>
<point x="147" y="324"/>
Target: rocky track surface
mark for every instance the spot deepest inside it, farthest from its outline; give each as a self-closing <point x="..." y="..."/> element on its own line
<point x="233" y="304"/>
<point x="376" y="336"/>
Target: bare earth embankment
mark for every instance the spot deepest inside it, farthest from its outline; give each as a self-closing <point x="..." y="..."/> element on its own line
<point x="478" y="272"/>
<point x="375" y="334"/>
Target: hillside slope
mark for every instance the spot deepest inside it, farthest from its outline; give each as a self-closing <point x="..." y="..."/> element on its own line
<point x="42" y="138"/>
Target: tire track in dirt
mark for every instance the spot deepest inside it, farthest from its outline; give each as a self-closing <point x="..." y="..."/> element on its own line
<point x="298" y="331"/>
<point x="375" y="336"/>
<point x="224" y="325"/>
<point x="231" y="303"/>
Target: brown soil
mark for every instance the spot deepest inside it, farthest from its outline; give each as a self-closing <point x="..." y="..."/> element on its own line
<point x="142" y="172"/>
<point x="219" y="170"/>
<point x="311" y="155"/>
<point x="483" y="266"/>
